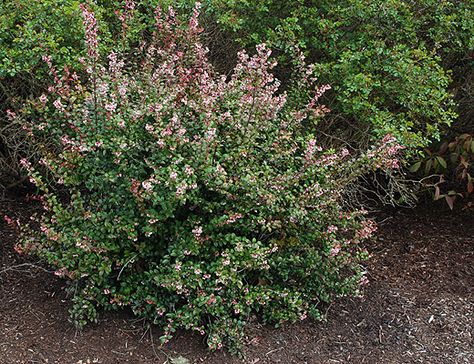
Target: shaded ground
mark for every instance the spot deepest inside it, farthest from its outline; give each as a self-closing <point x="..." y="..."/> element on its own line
<point x="418" y="308"/>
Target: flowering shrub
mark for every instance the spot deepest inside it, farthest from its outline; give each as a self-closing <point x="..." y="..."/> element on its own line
<point x="196" y="199"/>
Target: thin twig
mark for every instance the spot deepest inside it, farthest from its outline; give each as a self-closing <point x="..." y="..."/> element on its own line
<point x="154" y="349"/>
<point x="272" y="351"/>
<point x="121" y="270"/>
<point x="15" y="267"/>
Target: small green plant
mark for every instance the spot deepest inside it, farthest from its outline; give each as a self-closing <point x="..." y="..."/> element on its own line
<point x="449" y="169"/>
<point x="196" y="199"/>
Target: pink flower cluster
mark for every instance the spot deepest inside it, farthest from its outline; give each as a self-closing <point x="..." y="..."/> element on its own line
<point x="193" y="22"/>
<point x="367" y="229"/>
<point x="14" y="224"/>
<point x="311" y="149"/>
<point x="10" y="115"/>
<point x="335" y="250"/>
<point x="90" y="26"/>
<point x="387" y="153"/>
<point x="233" y="218"/>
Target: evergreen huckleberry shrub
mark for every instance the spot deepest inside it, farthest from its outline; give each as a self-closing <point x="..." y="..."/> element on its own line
<point x="196" y="199"/>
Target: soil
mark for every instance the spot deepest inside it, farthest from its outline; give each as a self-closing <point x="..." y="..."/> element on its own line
<point x="418" y="308"/>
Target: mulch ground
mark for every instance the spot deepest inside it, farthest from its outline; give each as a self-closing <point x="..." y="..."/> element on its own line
<point x="418" y="308"/>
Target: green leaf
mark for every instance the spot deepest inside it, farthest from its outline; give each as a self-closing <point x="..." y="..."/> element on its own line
<point x="442" y="162"/>
<point x="415" y="167"/>
<point x="428" y="166"/>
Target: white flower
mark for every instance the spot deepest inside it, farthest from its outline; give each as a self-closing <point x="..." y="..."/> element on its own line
<point x="147" y="185"/>
<point x="58" y="105"/>
<point x="111" y="106"/>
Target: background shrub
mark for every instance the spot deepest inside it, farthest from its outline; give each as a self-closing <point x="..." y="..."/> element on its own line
<point x="447" y="169"/>
<point x="196" y="199"/>
<point x="386" y="60"/>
